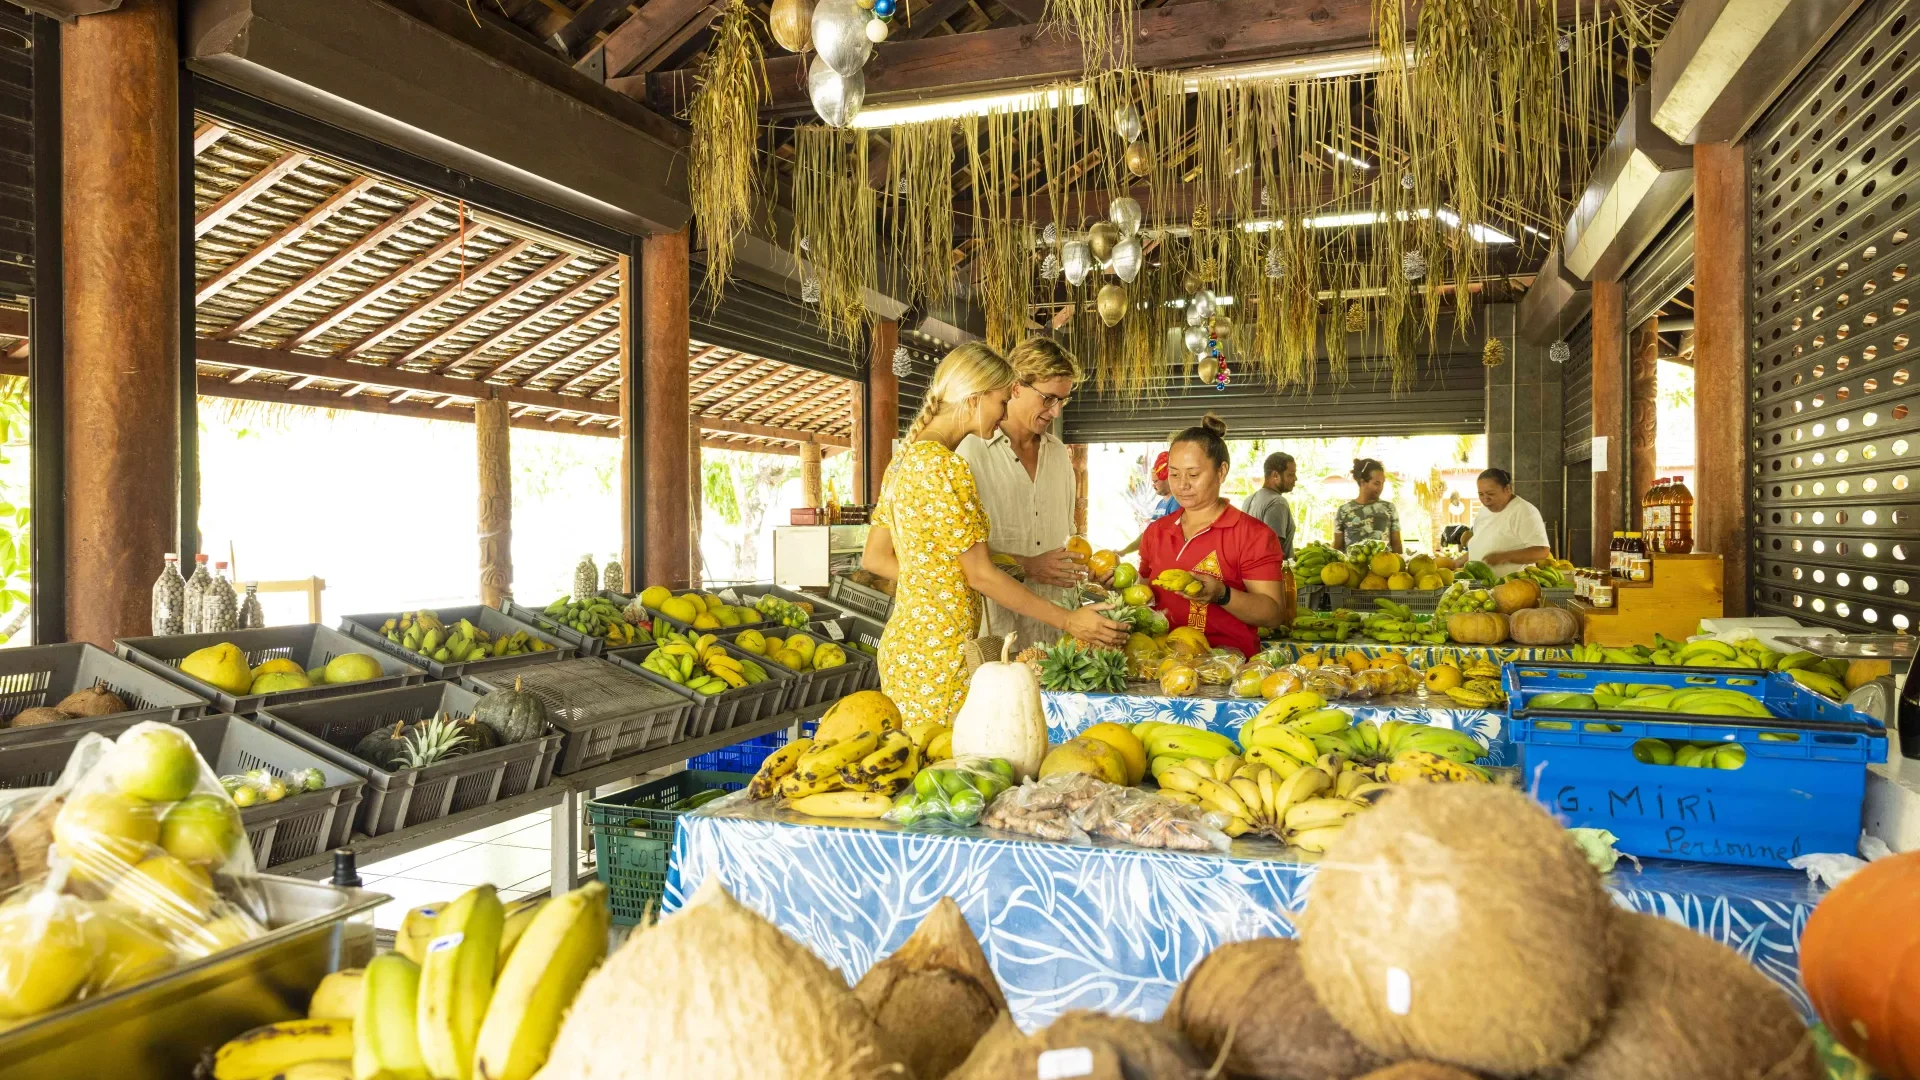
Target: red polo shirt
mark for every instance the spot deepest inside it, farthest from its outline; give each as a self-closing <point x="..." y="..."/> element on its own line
<point x="1236" y="548"/>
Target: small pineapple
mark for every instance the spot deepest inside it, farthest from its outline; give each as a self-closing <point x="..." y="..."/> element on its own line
<point x="1067" y="665"/>
<point x="433" y="741"/>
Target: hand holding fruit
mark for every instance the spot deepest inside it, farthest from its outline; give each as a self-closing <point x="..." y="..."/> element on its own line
<point x="1089" y="625"/>
<point x="1060" y="567"/>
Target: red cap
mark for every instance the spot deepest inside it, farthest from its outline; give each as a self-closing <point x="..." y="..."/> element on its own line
<point x="1160" y="466"/>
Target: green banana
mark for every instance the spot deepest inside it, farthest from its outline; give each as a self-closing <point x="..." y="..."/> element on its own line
<point x="456" y="981"/>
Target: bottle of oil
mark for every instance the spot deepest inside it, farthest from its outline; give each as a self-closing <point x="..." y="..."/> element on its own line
<point x="1680" y="501"/>
<point x="1616" y="554"/>
<point x="1652" y="509"/>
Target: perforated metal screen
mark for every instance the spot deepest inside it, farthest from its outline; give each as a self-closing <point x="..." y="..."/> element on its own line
<point x="1835" y="426"/>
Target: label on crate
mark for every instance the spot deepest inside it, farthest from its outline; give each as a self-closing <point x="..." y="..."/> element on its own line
<point x="1687" y="822"/>
<point x="833" y="631"/>
<point x="728" y="596"/>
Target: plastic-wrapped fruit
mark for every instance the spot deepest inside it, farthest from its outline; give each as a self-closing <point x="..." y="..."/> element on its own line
<point x="1178" y="680"/>
<point x="43" y="954"/>
<point x="1332" y="683"/>
<point x="1284" y="681"/>
<point x="104" y="832"/>
<point x="1216" y="670"/>
<point x="201" y="829"/>
<point x="155" y="763"/>
<point x="1247" y="682"/>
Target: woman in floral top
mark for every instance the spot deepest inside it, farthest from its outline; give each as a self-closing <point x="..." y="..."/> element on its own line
<point x="1368" y="516"/>
<point x="930" y="536"/>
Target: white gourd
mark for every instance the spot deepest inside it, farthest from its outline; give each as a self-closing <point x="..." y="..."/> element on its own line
<point x="1002" y="716"/>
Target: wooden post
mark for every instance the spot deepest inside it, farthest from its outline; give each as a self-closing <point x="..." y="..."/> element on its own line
<point x="696" y="501"/>
<point x="493" y="451"/>
<point x="120" y="84"/>
<point x="664" y="336"/>
<point x="629" y="382"/>
<point x="1721" y="293"/>
<point x="810" y="492"/>
<point x="1077" y="453"/>
<point x="1609" y="412"/>
<point x="883" y="404"/>
<point x="1643" y="410"/>
<point x="861" y="492"/>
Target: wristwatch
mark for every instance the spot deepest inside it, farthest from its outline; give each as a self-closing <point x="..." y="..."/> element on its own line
<point x="1226" y="594"/>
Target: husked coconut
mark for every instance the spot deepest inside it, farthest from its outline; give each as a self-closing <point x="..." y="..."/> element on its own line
<point x="95" y="700"/>
<point x="1458" y="923"/>
<point x="935" y="996"/>
<point x="714" y="991"/>
<point x="1687" y="1006"/>
<point x="1251" y="997"/>
<point x="39" y="714"/>
<point x="1117" y="1049"/>
<point x="29" y="836"/>
<point x="1418" y="1070"/>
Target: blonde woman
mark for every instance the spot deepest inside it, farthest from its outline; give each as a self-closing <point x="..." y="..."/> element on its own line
<point x="930" y="536"/>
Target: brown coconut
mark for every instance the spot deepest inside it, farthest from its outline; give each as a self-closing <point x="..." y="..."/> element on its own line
<point x="1253" y="993"/>
<point x="1458" y="923"/>
<point x="1121" y="1049"/>
<point x="28" y="837"/>
<point x="1419" y="1070"/>
<point x="715" y="991"/>
<point x="34" y="717"/>
<point x="935" y="996"/>
<point x="1687" y="1006"/>
<point x="95" y="700"/>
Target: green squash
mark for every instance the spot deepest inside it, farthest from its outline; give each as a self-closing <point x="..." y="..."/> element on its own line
<point x="514" y="715"/>
<point x="384" y="747"/>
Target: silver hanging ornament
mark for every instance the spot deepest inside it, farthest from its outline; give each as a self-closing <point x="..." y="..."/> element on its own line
<point x="1407" y="181"/>
<point x="840" y="35"/>
<point x="1050" y="268"/>
<point x="1124" y="212"/>
<point x="1126" y="123"/>
<point x="1076" y="261"/>
<point x="1050" y="235"/>
<point x="1413" y="265"/>
<point x="902" y="362"/>
<point x="1195" y="339"/>
<point x="1276" y="264"/>
<point x="809" y="291"/>
<point x="1126" y="259"/>
<point x="837" y="97"/>
<point x="1559" y="352"/>
<point x="1204" y="304"/>
<point x="1194" y="318"/>
<point x="1564" y="43"/>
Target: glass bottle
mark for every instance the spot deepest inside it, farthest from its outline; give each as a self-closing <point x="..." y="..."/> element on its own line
<point x="251" y="616"/>
<point x="611" y="579"/>
<point x="1650" y="509"/>
<point x="222" y="608"/>
<point x="586" y="580"/>
<point x="1614" y="550"/>
<point x="1681" y="528"/>
<point x="194" y="597"/>
<point x="169" y="595"/>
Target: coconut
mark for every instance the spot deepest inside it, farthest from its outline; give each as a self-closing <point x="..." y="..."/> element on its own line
<point x="1458" y="923"/>
<point x="29" y="836"/>
<point x="1687" y="1006"/>
<point x="935" y="996"/>
<point x="716" y="991"/>
<point x="1250" y="997"/>
<point x="36" y="716"/>
<point x="95" y="700"/>
<point x="1117" y="1048"/>
<point x="1418" y="1070"/>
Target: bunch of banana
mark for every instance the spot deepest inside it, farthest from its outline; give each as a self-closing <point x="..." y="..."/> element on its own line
<point x="1698" y="700"/>
<point x="1547" y="576"/>
<point x="597" y="617"/>
<point x="275" y="1049"/>
<point x="1180" y="581"/>
<point x="1324" y="626"/>
<point x="701" y="664"/>
<point x="1461" y="598"/>
<point x="422" y="632"/>
<point x="1478" y="693"/>
<point x="1168" y="744"/>
<point x="1311" y="559"/>
<point x="1305" y="807"/>
<point x="862" y="764"/>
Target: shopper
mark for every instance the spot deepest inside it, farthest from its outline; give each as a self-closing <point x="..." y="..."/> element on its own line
<point x="1508" y="533"/>
<point x="1235" y="557"/>
<point x="1025" y="480"/>
<point x="1269" y="503"/>
<point x="1368" y="516"/>
<point x="930" y="534"/>
<point x="1167" y="504"/>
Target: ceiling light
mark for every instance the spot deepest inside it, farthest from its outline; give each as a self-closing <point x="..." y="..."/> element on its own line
<point x="1349" y="159"/>
<point x="918" y="112"/>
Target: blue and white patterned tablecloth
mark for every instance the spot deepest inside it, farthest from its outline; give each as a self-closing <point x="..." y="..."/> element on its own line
<point x="1117" y="928"/>
<point x="1070" y="714"/>
<point x="1421" y="656"/>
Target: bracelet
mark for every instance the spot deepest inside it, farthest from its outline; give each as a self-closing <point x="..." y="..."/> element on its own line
<point x="1226" y="594"/>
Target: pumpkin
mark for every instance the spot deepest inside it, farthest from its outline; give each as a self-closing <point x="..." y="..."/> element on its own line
<point x="385" y="747"/>
<point x="1477" y="628"/>
<point x="514" y="715"/>
<point x="1002" y="716"/>
<point x="1543" y="626"/>
<point x="1860" y="963"/>
<point x="1516" y="595"/>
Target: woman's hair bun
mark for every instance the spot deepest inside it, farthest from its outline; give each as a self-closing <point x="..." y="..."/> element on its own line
<point x="1214" y="424"/>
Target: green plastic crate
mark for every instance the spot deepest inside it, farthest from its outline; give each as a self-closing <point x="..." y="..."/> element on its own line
<point x="633" y="837"/>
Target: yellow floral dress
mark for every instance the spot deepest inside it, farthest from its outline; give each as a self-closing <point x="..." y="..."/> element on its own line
<point x="929" y="502"/>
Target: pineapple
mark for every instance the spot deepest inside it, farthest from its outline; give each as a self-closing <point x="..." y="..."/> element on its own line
<point x="1068" y="665"/>
<point x="432" y="741"/>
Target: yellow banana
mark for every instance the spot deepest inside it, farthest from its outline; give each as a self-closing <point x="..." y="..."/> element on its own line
<point x="777" y="765"/>
<point x="327" y="1069"/>
<point x="824" y="760"/>
<point x="386" y="1041"/>
<point x="844" y="804"/>
<point x="1187" y="797"/>
<point x="1279" y="761"/>
<point x="1219" y="796"/>
<point x="565" y="942"/>
<point x="1316" y="840"/>
<point x="456" y="981"/>
<point x="886" y="759"/>
<point x="1249" y="793"/>
<point x="1348" y="781"/>
<point x="1182" y="778"/>
<point x="1299" y="787"/>
<point x="271" y="1048"/>
<point x="1285" y="740"/>
<point x="792" y="787"/>
<point x="1237" y="826"/>
<point x="519" y="916"/>
<point x="338" y="995"/>
<point x="416" y="929"/>
<point x="1269" y="786"/>
<point x="1319" y="813"/>
<point x="1225" y="767"/>
<point x="1369" y="793"/>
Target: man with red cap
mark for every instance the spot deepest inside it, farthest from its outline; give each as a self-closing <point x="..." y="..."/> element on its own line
<point x="1167" y="504"/>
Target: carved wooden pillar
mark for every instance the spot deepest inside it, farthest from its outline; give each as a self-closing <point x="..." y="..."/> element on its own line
<point x="810" y="491"/>
<point x="664" y="334"/>
<point x="1643" y="404"/>
<point x="883" y="404"/>
<point x="1609" y="412"/>
<point x="493" y="451"/>
<point x="1077" y="453"/>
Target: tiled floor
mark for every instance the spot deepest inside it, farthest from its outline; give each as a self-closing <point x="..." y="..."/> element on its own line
<point x="512" y="855"/>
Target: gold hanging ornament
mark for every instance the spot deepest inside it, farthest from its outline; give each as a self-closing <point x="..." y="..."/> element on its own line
<point x="1112" y="304"/>
<point x="1202" y="215"/>
<point x="1494" y="353"/>
<point x="1356" y="317"/>
<point x="1138" y="160"/>
<point x="1209" y="269"/>
<point x="1101" y="238"/>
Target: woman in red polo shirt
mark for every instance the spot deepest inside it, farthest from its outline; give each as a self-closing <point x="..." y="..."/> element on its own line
<point x="1235" y="556"/>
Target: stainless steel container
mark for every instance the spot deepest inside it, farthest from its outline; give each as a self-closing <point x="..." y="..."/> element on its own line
<point x="159" y="1030"/>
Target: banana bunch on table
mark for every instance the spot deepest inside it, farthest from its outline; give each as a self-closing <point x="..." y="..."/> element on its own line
<point x="701" y="664"/>
<point x="855" y="777"/>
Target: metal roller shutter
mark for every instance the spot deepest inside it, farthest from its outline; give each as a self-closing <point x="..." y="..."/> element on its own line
<point x="16" y="153"/>
<point x="1664" y="270"/>
<point x="1835" y="427"/>
<point x="764" y="323"/>
<point x="1576" y="398"/>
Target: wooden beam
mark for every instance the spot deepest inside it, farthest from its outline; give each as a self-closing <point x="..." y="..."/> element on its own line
<point x="761" y="431"/>
<point x="433" y="300"/>
<point x="593" y="17"/>
<point x="526" y="285"/>
<point x="236" y="200"/>
<point x="789" y="450"/>
<point x="662" y="357"/>
<point x="1643" y="416"/>
<point x="319" y="274"/>
<point x="630" y="528"/>
<point x="609" y="304"/>
<point x="646" y="36"/>
<point x="572" y="355"/>
<point x="280" y="241"/>
<point x="928" y="19"/>
<point x="598" y="369"/>
<point x="543" y="311"/>
<point x="1609" y="398"/>
<point x="1027" y="11"/>
<point x="206" y="134"/>
<point x="320" y="399"/>
<point x="883" y="402"/>
<point x="379" y="290"/>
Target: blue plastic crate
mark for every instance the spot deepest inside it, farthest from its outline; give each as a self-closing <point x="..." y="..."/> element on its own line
<point x="745" y="757"/>
<point x="1799" y="791"/>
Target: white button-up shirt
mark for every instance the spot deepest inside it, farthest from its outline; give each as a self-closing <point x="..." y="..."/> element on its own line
<point x="1028" y="515"/>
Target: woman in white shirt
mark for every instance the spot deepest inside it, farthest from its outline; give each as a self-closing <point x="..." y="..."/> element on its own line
<point x="1508" y="533"/>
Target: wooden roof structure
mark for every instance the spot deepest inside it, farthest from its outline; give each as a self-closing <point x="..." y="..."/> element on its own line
<point x="320" y="284"/>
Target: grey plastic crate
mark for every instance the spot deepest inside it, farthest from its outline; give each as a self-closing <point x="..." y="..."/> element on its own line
<point x="297" y="827"/>
<point x="310" y="645"/>
<point x="853" y="628"/>
<point x="661" y="616"/>
<point x="407" y="797"/>
<point x="587" y="644"/>
<point x="41" y="675"/>
<point x="831" y="684"/>
<point x="859" y="598"/>
<point x="823" y="607"/>
<point x="601" y="708"/>
<point x="727" y="709"/>
<point x="367" y="628"/>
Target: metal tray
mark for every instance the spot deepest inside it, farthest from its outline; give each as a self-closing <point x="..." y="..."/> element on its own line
<point x="157" y="1030"/>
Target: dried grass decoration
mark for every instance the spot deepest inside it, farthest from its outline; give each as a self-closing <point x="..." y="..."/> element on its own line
<point x="1494" y="353"/>
<point x="724" y="113"/>
<point x="1356" y="317"/>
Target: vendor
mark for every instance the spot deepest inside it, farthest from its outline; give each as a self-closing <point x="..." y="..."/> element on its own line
<point x="930" y="535"/>
<point x="1167" y="504"/>
<point x="1368" y="516"/>
<point x="1025" y="479"/>
<point x="1269" y="501"/>
<point x="1235" y="557"/>
<point x="1508" y="533"/>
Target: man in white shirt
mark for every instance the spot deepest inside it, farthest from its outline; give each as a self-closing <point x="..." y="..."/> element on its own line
<point x="1025" y="480"/>
<point x="1508" y="533"/>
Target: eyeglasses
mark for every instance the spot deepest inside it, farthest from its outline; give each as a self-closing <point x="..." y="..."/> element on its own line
<point x="1048" y="402"/>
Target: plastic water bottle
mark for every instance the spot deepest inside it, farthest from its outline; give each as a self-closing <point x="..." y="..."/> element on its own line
<point x="194" y="597"/>
<point x="169" y="596"/>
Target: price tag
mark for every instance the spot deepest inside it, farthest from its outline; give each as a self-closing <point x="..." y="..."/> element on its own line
<point x="729" y="596"/>
<point x="1066" y="1064"/>
<point x="870" y="640"/>
<point x="833" y="631"/>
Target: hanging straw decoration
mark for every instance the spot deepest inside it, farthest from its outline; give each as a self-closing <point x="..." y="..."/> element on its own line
<point x="1356" y="318"/>
<point x="1103" y="27"/>
<point x="1493" y="353"/>
<point x="724" y="114"/>
<point x="834" y="209"/>
<point x="920" y="207"/>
